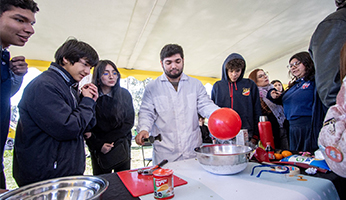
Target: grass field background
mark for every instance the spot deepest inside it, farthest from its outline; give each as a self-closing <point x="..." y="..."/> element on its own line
<point x="136" y="162"/>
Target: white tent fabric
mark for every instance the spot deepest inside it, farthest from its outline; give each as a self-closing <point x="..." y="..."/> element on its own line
<point x="132" y="32"/>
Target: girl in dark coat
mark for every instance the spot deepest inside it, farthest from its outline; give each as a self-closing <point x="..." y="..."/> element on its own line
<point x="297" y="101"/>
<point x="110" y="142"/>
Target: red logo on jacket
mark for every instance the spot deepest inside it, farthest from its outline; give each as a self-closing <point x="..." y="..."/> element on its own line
<point x="305" y="85"/>
<point x="246" y="91"/>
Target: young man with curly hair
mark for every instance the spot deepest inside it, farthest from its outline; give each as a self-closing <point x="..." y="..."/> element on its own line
<point x="240" y="94"/>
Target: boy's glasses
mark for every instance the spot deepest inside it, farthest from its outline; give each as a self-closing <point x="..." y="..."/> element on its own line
<point x="296" y="64"/>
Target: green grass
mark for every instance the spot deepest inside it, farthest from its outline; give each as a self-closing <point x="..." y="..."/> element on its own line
<point x="136" y="162"/>
<point x="11" y="183"/>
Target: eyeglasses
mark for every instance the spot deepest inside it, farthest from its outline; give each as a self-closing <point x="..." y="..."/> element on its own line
<point x="296" y="64"/>
<point x="263" y="75"/>
<point x="107" y="74"/>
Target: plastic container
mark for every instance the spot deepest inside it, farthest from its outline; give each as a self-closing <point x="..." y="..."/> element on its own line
<point x="163" y="184"/>
<point x="270" y="151"/>
<point x="243" y="137"/>
<point x="265" y="131"/>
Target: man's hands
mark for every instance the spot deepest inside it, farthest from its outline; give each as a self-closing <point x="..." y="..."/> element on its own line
<point x="18" y="65"/>
<point x="90" y="90"/>
<point x="140" y="137"/>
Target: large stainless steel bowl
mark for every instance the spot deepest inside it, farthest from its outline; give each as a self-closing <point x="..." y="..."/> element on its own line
<point x="70" y="187"/>
<point x="223" y="158"/>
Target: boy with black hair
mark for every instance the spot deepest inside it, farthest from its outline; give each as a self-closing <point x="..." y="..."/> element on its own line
<point x="240" y="94"/>
<point x="54" y="117"/>
<point x="16" y="26"/>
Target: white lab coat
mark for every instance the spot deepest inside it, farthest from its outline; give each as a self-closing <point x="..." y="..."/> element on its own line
<point x="174" y="115"/>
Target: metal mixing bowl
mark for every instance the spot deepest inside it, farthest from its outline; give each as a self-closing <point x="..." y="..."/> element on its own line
<point x="70" y="187"/>
<point x="223" y="158"/>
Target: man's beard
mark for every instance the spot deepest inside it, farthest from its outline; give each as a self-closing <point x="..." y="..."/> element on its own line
<point x="174" y="76"/>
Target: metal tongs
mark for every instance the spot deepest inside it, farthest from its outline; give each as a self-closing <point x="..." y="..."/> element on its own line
<point x="150" y="170"/>
<point x="151" y="139"/>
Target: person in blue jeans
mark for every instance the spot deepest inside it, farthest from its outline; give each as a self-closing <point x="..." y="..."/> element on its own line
<point x="297" y="101"/>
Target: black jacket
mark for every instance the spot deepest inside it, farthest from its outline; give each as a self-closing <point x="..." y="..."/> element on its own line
<point x="325" y="46"/>
<point x="49" y="138"/>
<point x="108" y="129"/>
<point x="242" y="96"/>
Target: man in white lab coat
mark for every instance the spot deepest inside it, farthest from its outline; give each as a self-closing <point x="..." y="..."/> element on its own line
<point x="170" y="107"/>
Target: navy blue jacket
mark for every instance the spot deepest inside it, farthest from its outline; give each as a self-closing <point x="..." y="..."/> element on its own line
<point x="5" y="101"/>
<point x="242" y="96"/>
<point x="10" y="84"/>
<point x="297" y="101"/>
<point x="49" y="139"/>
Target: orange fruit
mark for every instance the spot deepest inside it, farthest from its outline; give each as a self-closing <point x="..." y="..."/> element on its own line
<point x="286" y="153"/>
<point x="278" y="156"/>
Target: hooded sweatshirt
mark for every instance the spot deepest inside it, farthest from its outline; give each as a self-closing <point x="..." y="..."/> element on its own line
<point x="242" y="96"/>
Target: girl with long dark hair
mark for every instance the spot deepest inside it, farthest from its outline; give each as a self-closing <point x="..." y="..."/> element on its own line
<point x="297" y="102"/>
<point x="110" y="143"/>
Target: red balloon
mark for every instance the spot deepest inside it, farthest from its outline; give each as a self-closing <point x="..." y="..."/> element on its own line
<point x="224" y="123"/>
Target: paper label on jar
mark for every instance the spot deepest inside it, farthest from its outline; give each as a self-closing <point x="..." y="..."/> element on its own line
<point x="163" y="187"/>
<point x="163" y="184"/>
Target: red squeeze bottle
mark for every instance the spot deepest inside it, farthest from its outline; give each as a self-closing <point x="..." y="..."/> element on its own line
<point x="265" y="131"/>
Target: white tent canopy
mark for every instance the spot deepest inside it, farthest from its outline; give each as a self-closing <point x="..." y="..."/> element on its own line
<point x="132" y="32"/>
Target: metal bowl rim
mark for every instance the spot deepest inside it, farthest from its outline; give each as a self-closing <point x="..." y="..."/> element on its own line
<point x="98" y="193"/>
<point x="211" y="145"/>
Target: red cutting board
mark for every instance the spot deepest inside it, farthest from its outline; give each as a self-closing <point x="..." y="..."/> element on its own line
<point x="139" y="184"/>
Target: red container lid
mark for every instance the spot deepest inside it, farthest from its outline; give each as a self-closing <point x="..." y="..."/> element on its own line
<point x="163" y="172"/>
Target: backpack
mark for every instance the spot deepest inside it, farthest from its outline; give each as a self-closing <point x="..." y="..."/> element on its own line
<point x="332" y="137"/>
